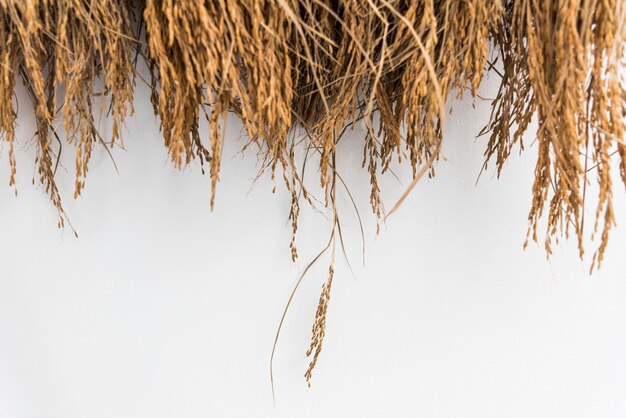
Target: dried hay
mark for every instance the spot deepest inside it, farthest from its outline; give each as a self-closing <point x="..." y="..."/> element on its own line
<point x="323" y="66"/>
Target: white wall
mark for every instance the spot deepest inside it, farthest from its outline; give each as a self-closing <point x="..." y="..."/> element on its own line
<point x="163" y="309"/>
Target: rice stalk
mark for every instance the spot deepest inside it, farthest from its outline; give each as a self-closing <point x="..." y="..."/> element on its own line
<point x="306" y="72"/>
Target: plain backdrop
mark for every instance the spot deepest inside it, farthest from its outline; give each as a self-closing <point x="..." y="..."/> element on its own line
<point x="162" y="308"/>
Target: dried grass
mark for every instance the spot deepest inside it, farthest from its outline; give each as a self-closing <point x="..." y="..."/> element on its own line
<point x="322" y="67"/>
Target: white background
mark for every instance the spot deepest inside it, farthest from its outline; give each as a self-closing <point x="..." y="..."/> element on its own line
<point x="163" y="309"/>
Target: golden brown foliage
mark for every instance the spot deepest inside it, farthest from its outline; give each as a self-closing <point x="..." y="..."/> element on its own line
<point x="562" y="64"/>
<point x="320" y="67"/>
<point x="65" y="52"/>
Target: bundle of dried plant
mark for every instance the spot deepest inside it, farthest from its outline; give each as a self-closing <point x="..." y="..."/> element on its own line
<point x="321" y="67"/>
<point x="66" y="52"/>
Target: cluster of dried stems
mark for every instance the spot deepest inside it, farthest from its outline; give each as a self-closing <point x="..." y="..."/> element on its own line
<point x="321" y="67"/>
